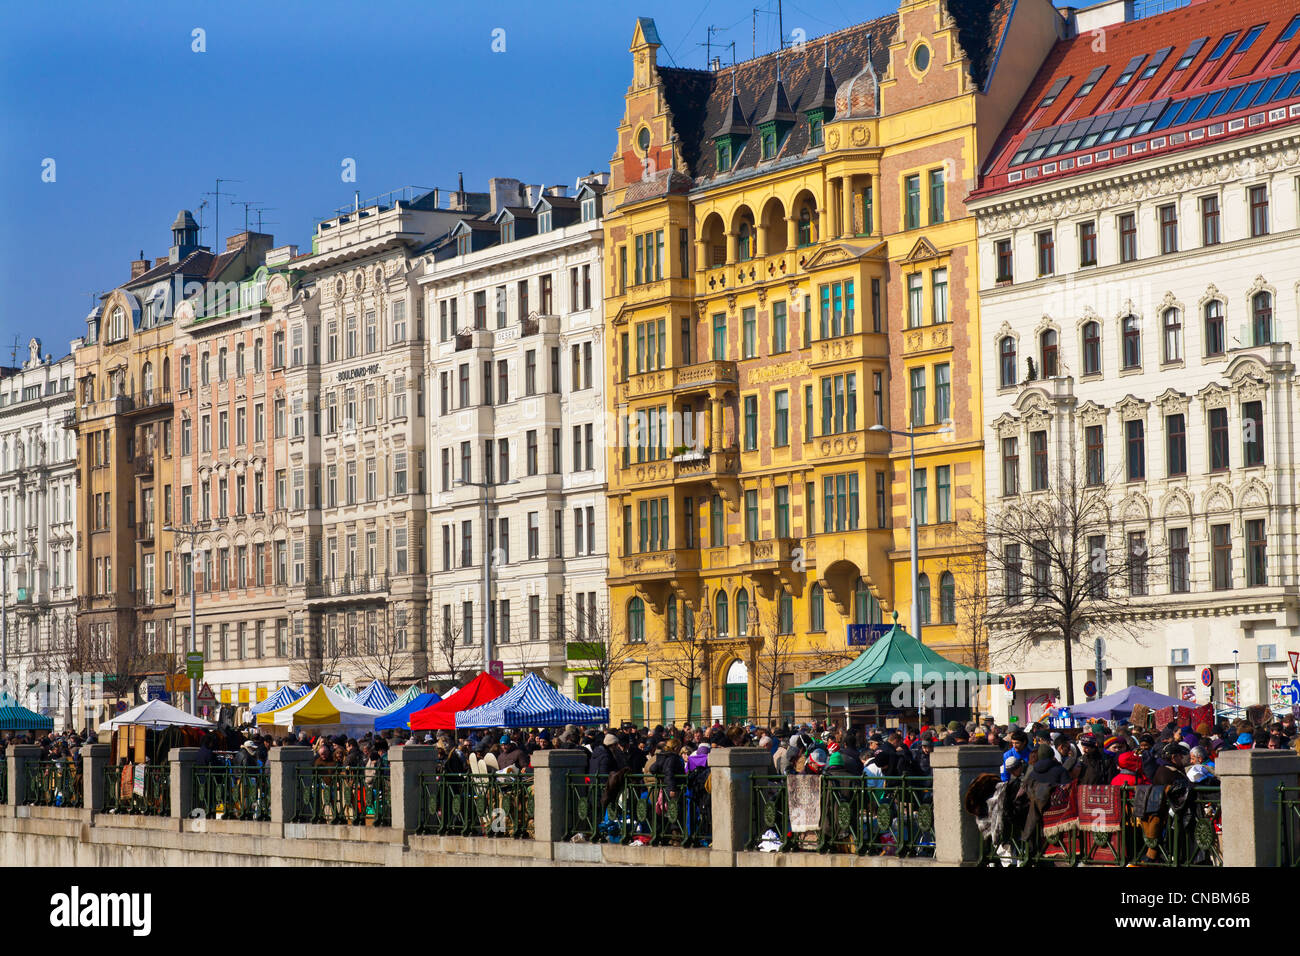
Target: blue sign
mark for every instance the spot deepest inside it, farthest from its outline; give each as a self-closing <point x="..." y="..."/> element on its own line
<point x="156" y="692"/>
<point x="864" y="635"/>
<point x="1089" y="689"/>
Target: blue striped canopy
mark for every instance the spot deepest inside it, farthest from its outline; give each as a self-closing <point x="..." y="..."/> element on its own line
<point x="400" y="719"/>
<point x="531" y="703"/>
<point x="377" y="696"/>
<point x="283" y="697"/>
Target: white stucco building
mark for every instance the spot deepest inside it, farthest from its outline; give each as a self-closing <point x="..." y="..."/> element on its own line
<point x="1140" y="274"/>
<point x="515" y="376"/>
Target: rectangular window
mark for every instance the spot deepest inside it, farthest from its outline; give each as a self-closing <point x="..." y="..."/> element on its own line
<point x="936" y="196"/>
<point x="915" y="304"/>
<point x="1258" y="211"/>
<point x="1210" y="220"/>
<point x="751" y="422"/>
<point x="1038" y="450"/>
<point x="939" y="295"/>
<point x="751" y="515"/>
<point x="749" y="329"/>
<point x="920" y="496"/>
<point x="1004" y="259"/>
<point x="943" y="493"/>
<point x="1256" y="554"/>
<point x="1135" y="445"/>
<point x="917" y="376"/>
<point x="942" y="393"/>
<point x="1046" y="253"/>
<point x="782" y="511"/>
<point x="1219" y="454"/>
<point x="779" y="328"/>
<point x="912" y="202"/>
<point x="1179" y="561"/>
<point x="1252" y="433"/>
<point x="1168" y="229"/>
<point x="1127" y="237"/>
<point x="1010" y="466"/>
<point x="1088" y="243"/>
<point x="1221" y="561"/>
<point x="1137" y="563"/>
<point x="781" y="429"/>
<point x="1176" y="445"/>
<point x="882" y="501"/>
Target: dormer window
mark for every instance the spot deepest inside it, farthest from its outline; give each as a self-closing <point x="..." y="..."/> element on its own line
<point x="117" y="325"/>
<point x="463" y="244"/>
<point x="508" y="231"/>
<point x="814" y="130"/>
<point x="769" y="143"/>
<point x="544" y="221"/>
<point x="589" y="209"/>
<point x="724" y="157"/>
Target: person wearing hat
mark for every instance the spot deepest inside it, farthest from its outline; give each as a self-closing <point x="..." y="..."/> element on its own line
<point x="1098" y="767"/>
<point x="247" y="755"/>
<point x="1130" y="772"/>
<point x="606" y="756"/>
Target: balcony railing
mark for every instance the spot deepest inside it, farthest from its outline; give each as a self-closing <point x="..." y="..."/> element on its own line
<point x="349" y="586"/>
<point x="143" y="464"/>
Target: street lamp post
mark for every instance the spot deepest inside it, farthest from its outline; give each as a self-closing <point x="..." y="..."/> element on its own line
<point x="193" y="531"/>
<point x="487" y="563"/>
<point x="943" y="429"/>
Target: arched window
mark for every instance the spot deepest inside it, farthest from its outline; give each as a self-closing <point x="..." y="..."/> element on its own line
<point x="860" y="596"/>
<point x="636" y="621"/>
<point x="146" y="378"/>
<point x="805" y="226"/>
<point x="785" y="613"/>
<point x="1091" y="348"/>
<point x="742" y="612"/>
<point x="1007" y="361"/>
<point x="923" y="598"/>
<point x="1049" y="353"/>
<point x="947" y="599"/>
<point x="816" y="609"/>
<point x="166" y="383"/>
<point x="1261" y="310"/>
<point x="1172" y="324"/>
<point x="1132" y="344"/>
<point x="720" y="614"/>
<point x="746" y="251"/>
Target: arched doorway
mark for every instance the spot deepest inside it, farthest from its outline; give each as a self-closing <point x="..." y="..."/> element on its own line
<point x="735" y="694"/>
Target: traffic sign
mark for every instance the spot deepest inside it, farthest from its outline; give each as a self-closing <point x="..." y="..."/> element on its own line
<point x="1295" y="660"/>
<point x="497" y="669"/>
<point x="1207" y="676"/>
<point x="194" y="665"/>
<point x="206" y="697"/>
<point x="1009" y="682"/>
<point x="1090" y="689"/>
<point x="178" y="683"/>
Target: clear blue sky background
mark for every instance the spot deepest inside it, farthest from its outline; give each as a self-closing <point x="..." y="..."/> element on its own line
<point x="140" y="126"/>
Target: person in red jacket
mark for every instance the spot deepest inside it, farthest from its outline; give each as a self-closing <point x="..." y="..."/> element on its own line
<point x="1130" y="771"/>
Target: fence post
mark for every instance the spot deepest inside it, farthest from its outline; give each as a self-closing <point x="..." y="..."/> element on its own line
<point x="730" y="770"/>
<point x="956" y="838"/>
<point x="285" y="762"/>
<point x="94" y="758"/>
<point x="182" y="761"/>
<point x="550" y="767"/>
<point x="405" y="764"/>
<point x="1249" y="780"/>
<point x="19" y="756"/>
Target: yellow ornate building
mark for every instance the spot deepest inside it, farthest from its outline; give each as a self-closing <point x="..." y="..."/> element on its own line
<point x="790" y="266"/>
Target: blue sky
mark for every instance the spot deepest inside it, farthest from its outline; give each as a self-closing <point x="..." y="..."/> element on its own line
<point x="139" y="125"/>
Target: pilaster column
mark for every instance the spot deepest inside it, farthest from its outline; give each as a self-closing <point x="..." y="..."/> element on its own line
<point x="94" y="758"/>
<point x="730" y="770"/>
<point x="406" y="764"/>
<point x="957" y="838"/>
<point x="182" y="761"/>
<point x="1249" y="780"/>
<point x="285" y="762"/>
<point x="550" y="769"/>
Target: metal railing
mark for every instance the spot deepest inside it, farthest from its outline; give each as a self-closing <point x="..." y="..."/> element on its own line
<point x="876" y="816"/>
<point x="1288" y="826"/>
<point x="1187" y="835"/>
<point x="53" y="783"/>
<point x="769" y="809"/>
<point x="233" y="793"/>
<point x="494" y="804"/>
<point x="644" y="809"/>
<point x="350" y="795"/>
<point x="152" y="799"/>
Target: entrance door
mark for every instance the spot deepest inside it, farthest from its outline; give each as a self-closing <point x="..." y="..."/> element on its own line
<point x="736" y="708"/>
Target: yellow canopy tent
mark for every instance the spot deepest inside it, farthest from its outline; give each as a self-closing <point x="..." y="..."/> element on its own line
<point x="323" y="711"/>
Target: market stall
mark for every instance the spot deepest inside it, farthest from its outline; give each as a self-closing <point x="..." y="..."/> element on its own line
<point x="442" y="715"/>
<point x="322" y="711"/>
<point x="532" y="703"/>
<point x="378" y="696"/>
<point x="400" y="718"/>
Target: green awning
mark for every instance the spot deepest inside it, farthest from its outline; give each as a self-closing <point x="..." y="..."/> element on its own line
<point x="14" y="717"/>
<point x="896" y="659"/>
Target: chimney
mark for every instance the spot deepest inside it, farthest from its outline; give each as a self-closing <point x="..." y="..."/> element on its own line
<point x="503" y="192"/>
<point x="560" y="191"/>
<point x="139" y="266"/>
<point x="532" y="194"/>
<point x="160" y="260"/>
<point x="1106" y="14"/>
<point x="716" y="65"/>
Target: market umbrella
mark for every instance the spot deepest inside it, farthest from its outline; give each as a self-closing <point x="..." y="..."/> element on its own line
<point x="442" y="716"/>
<point x="531" y="703"/>
<point x="377" y="696"/>
<point x="155" y="714"/>
<point x="400" y="719"/>
<point x="1120" y="704"/>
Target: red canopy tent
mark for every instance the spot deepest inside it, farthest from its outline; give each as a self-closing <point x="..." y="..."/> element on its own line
<point x="442" y="715"/>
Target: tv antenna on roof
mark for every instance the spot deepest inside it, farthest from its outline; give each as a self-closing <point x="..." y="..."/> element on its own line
<point x="708" y="46"/>
<point x="258" y="212"/>
<point x="245" y="203"/>
<point x="217" y="194"/>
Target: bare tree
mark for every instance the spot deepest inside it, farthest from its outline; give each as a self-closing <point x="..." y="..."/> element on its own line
<point x="1059" y="564"/>
<point x="449" y="655"/>
<point x="382" y="656"/>
<point x="606" y="652"/>
<point x="775" y="658"/>
<point x="685" y="656"/>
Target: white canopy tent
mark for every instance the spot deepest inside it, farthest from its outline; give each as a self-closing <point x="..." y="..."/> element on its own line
<point x="155" y="714"/>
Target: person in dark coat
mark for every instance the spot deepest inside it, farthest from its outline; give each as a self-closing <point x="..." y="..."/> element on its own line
<point x="606" y="757"/>
<point x="921" y="757"/>
<point x="247" y="755"/>
<point x="849" y="753"/>
<point x="1172" y="766"/>
<point x="1097" y="768"/>
<point x="668" y="766"/>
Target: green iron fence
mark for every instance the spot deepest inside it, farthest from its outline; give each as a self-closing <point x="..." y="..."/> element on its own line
<point x="644" y="809"/>
<point x="152" y="799"/>
<point x="494" y="804"/>
<point x="1288" y="826"/>
<point x="348" y="795"/>
<point x="769" y="810"/>
<point x="233" y="793"/>
<point x="53" y="783"/>
<point x="1187" y="834"/>
<point x="876" y="816"/>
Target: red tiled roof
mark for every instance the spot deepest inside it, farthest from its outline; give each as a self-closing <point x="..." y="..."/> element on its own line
<point x="1214" y="68"/>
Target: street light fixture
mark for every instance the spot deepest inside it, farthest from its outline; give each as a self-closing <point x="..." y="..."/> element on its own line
<point x="944" y="428"/>
<point x="193" y="531"/>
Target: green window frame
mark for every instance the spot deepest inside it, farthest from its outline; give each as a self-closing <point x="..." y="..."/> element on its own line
<point x="749" y="333"/>
<point x="912" y="201"/>
<point x="751" y="423"/>
<point x="781" y="418"/>
<point x="779" y="336"/>
<point x="782" y="511"/>
<point x="719" y="337"/>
